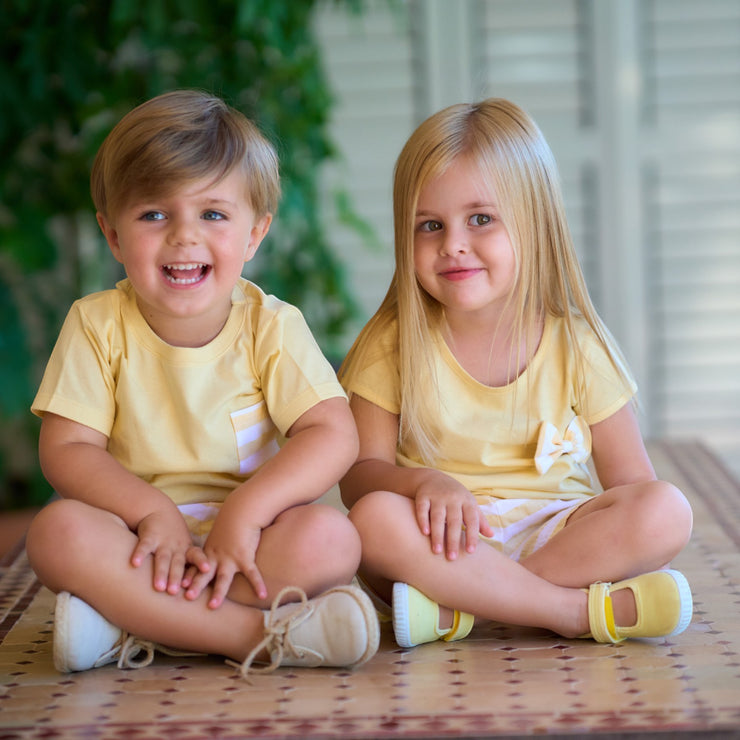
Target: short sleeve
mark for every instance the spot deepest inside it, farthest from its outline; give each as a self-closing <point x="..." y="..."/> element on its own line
<point x="608" y="384"/>
<point x="79" y="380"/>
<point x="374" y="374"/>
<point x="293" y="372"/>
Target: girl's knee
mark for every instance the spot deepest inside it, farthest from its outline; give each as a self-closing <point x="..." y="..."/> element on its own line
<point x="387" y="525"/>
<point x="667" y="514"/>
<point x="377" y="511"/>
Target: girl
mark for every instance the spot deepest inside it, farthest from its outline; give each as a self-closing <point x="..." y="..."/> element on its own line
<point x="480" y="388"/>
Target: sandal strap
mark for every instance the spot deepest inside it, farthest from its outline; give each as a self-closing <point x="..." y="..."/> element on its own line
<point x="461" y="625"/>
<point x="601" y="614"/>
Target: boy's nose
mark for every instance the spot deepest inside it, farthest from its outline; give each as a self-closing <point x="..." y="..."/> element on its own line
<point x="183" y="233"/>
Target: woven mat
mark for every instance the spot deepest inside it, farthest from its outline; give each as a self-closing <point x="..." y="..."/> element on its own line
<point x="500" y="682"/>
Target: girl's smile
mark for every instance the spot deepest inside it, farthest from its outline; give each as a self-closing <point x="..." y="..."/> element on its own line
<point x="460" y="273"/>
<point x="462" y="253"/>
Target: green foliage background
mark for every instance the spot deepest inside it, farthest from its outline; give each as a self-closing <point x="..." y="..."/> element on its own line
<point x="71" y="70"/>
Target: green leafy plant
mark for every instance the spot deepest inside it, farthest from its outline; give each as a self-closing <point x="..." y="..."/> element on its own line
<point x="72" y="70"/>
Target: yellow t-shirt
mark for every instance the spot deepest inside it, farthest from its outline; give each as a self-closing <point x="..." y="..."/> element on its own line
<point x="194" y="422"/>
<point x="489" y="435"/>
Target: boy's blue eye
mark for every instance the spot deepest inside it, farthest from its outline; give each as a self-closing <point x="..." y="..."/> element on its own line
<point x="152" y="216"/>
<point x="213" y="216"/>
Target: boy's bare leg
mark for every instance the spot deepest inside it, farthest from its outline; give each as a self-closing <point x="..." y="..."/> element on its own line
<point x="77" y="548"/>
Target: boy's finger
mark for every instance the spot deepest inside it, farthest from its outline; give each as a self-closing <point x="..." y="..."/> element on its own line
<point x="221" y="587"/>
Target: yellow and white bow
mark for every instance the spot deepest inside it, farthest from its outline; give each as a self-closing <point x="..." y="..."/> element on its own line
<point x="576" y="442"/>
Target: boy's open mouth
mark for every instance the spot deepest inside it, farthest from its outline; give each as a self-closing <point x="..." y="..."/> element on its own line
<point x="185" y="274"/>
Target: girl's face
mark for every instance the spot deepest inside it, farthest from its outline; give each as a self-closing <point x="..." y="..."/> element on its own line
<point x="462" y="253"/>
<point x="184" y="252"/>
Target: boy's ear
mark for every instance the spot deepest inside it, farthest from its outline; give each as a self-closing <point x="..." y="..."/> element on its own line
<point x="111" y="236"/>
<point x="256" y="235"/>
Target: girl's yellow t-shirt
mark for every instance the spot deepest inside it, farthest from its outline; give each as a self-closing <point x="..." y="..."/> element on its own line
<point x="489" y="435"/>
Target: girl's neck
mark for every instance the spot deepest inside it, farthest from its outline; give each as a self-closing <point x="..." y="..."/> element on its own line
<point x="494" y="355"/>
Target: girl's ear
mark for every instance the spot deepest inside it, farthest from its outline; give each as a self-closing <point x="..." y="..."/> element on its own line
<point x="256" y="235"/>
<point x="111" y="236"/>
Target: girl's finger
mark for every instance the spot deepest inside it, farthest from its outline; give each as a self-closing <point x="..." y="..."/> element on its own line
<point x="423" y="506"/>
<point x="453" y="534"/>
<point x="438" y="522"/>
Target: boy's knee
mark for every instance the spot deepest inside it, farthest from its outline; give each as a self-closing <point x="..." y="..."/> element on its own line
<point x="326" y="538"/>
<point x="53" y="535"/>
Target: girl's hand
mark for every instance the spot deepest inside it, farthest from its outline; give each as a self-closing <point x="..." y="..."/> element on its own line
<point x="163" y="535"/>
<point x="448" y="514"/>
<point x="224" y="555"/>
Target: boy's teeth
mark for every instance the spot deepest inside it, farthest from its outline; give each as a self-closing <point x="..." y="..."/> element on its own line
<point x="186" y="266"/>
<point x="183" y="274"/>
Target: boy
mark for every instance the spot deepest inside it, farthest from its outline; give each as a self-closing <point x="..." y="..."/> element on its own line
<point x="181" y="519"/>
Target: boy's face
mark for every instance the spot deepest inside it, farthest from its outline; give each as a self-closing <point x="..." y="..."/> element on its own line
<point x="184" y="252"/>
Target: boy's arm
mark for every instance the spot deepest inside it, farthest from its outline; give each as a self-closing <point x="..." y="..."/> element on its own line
<point x="75" y="460"/>
<point x="320" y="447"/>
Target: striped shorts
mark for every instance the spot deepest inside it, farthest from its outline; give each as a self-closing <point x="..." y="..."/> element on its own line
<point x="522" y="526"/>
<point x="199" y="518"/>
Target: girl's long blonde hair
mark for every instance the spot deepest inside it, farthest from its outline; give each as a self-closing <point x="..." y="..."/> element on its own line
<point x="514" y="157"/>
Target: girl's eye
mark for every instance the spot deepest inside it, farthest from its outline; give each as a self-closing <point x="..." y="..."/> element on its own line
<point x="213" y="216"/>
<point x="480" y="219"/>
<point x="430" y="226"/>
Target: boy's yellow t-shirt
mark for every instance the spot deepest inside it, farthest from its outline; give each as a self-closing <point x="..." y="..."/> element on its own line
<point x="489" y="435"/>
<point x="194" y="422"/>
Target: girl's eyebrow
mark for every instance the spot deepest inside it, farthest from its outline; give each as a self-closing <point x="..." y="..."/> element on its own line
<point x="466" y="207"/>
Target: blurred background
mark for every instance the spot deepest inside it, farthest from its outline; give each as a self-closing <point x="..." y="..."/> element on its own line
<point x="639" y="99"/>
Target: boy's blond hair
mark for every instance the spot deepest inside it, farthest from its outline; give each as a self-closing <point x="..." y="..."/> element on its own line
<point x="512" y="154"/>
<point x="177" y="138"/>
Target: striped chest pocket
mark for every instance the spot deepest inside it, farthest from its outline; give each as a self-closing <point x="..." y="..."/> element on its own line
<point x="256" y="437"/>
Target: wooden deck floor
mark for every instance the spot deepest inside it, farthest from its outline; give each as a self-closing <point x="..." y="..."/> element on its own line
<point x="500" y="682"/>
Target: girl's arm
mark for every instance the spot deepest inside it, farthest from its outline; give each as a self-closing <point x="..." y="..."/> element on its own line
<point x="618" y="450"/>
<point x="320" y="446"/>
<point x="76" y="462"/>
<point x="443" y="506"/>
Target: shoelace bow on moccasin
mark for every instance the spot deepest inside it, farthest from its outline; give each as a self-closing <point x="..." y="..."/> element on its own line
<point x="277" y="638"/>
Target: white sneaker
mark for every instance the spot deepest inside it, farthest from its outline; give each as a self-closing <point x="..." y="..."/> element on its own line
<point x="84" y="639"/>
<point x="337" y="628"/>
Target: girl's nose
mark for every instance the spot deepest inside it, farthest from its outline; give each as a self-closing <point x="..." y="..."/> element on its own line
<point x="453" y="242"/>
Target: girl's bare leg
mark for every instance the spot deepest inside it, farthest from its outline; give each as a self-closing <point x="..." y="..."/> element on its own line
<point x="485" y="583"/>
<point x="620" y="533"/>
<point x="77" y="548"/>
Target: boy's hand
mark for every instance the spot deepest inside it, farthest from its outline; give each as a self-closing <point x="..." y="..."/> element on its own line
<point x="164" y="535"/>
<point x="446" y="512"/>
<point x="223" y="561"/>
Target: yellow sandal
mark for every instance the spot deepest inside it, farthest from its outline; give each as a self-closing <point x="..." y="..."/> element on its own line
<point x="416" y="619"/>
<point x="663" y="601"/>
